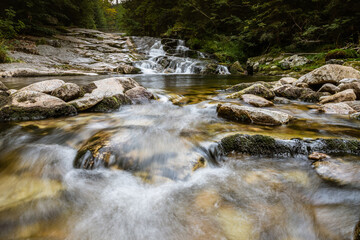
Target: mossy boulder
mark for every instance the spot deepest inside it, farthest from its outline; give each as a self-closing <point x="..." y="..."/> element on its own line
<point x="241" y="86"/>
<point x="110" y="103"/>
<point x="236" y="68"/>
<point x="257" y="89"/>
<point x="341" y="54"/>
<point x="260" y="145"/>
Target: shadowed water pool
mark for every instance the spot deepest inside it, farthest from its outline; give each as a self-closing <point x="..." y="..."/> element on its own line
<point x="153" y="192"/>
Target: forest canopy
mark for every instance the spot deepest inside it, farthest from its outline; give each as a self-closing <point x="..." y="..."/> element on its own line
<point x="231" y="29"/>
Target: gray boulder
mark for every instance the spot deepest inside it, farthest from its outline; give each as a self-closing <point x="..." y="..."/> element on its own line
<point x="44" y="86"/>
<point x="336" y="108"/>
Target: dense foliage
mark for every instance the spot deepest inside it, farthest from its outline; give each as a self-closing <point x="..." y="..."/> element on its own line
<point x="230" y="28"/>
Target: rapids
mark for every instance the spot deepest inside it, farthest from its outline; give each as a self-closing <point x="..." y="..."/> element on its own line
<point x="156" y="194"/>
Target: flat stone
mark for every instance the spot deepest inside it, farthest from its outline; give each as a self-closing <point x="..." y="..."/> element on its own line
<point x="252" y="115"/>
<point x="256" y="101"/>
<point x="44" y="86"/>
<point x="346" y="95"/>
<point x="336" y="108"/>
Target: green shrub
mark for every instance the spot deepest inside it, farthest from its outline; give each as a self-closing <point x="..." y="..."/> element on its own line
<point x="341" y="54"/>
<point x="3" y="52"/>
<point x="8" y="26"/>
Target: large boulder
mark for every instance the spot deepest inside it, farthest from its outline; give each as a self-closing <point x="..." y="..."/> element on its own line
<point x="105" y="88"/>
<point x="44" y="86"/>
<point x="256" y="101"/>
<point x="252" y="115"/>
<point x="337" y="108"/>
<point x="68" y="92"/>
<point x="31" y="105"/>
<point x="139" y="95"/>
<point x="346" y="95"/>
<point x="330" y="73"/>
<point x="256" y="89"/>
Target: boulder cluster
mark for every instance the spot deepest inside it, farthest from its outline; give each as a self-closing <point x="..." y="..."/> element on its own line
<point x="55" y="98"/>
<point x="334" y="88"/>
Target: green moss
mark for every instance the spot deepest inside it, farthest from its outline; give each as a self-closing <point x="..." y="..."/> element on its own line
<point x="341" y="54"/>
<point x="110" y="104"/>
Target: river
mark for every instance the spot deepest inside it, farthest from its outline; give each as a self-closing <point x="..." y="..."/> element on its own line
<point x="154" y="193"/>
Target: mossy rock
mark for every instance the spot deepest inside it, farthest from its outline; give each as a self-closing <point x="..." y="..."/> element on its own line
<point x="241" y="86"/>
<point x="111" y="103"/>
<point x="341" y="54"/>
<point x="268" y="146"/>
<point x="257" y="89"/>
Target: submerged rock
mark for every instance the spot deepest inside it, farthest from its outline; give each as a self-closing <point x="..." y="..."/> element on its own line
<point x="44" y="86"/>
<point x="338" y="171"/>
<point x="346" y="95"/>
<point x="256" y="100"/>
<point x="268" y="146"/>
<point x="31" y="105"/>
<point x="330" y="73"/>
<point x="68" y="92"/>
<point x="256" y="89"/>
<point x="252" y="115"/>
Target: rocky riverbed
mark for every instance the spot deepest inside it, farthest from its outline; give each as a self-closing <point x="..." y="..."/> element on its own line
<point x="186" y="156"/>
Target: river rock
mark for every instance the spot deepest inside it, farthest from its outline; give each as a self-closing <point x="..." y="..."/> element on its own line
<point x="236" y="68"/>
<point x="287" y="80"/>
<point x="44" y="86"/>
<point x="241" y="86"/>
<point x="318" y="156"/>
<point x="355" y="116"/>
<point x="338" y="171"/>
<point x="31" y="105"/>
<point x="139" y="95"/>
<point x="313" y="97"/>
<point x="128" y="83"/>
<point x="256" y="89"/>
<point x="354" y="105"/>
<point x="336" y="108"/>
<point x="330" y="73"/>
<point x="281" y="100"/>
<point x="346" y="95"/>
<point x="3" y="87"/>
<point x="105" y="88"/>
<point x="291" y="92"/>
<point x="127" y="69"/>
<point x="68" y="92"/>
<point x="267" y="146"/>
<point x="353" y="85"/>
<point x="349" y="80"/>
<point x="109" y="104"/>
<point x="252" y="115"/>
<point x="330" y="88"/>
<point x="256" y="100"/>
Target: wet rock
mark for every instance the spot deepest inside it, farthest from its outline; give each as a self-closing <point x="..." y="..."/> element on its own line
<point x="267" y="146"/>
<point x="355" y="116"/>
<point x="256" y="100"/>
<point x="201" y="163"/>
<point x="353" y="85"/>
<point x="336" y="108"/>
<point x="139" y="95"/>
<point x="287" y="80"/>
<point x="31" y="105"/>
<point x="338" y="171"/>
<point x="44" y="86"/>
<point x="3" y="87"/>
<point x="95" y="153"/>
<point x="236" y="68"/>
<point x="128" y="83"/>
<point x="252" y="115"/>
<point x="330" y="88"/>
<point x="127" y="69"/>
<point x="281" y="100"/>
<point x="354" y="105"/>
<point x="256" y="89"/>
<point x="109" y="104"/>
<point x="330" y="73"/>
<point x="68" y="92"/>
<point x="318" y="156"/>
<point x="346" y="95"/>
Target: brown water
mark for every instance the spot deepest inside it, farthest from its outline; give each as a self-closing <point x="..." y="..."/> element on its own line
<point x="157" y="195"/>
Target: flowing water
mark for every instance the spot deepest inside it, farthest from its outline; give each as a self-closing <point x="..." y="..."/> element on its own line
<point x="154" y="193"/>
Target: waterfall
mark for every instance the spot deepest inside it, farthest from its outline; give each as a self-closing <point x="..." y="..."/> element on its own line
<point x="172" y="56"/>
